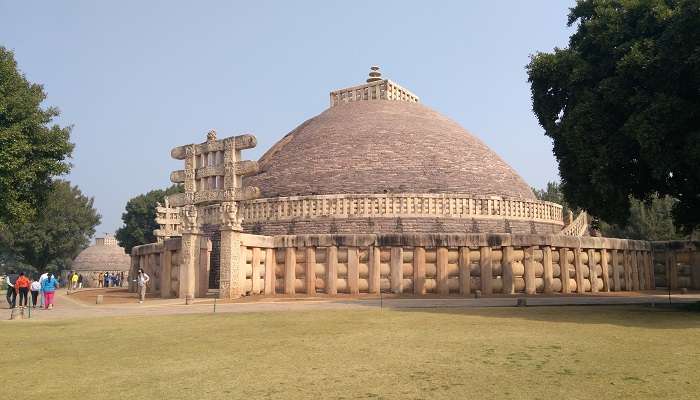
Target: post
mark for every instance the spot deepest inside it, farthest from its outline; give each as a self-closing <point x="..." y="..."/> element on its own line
<point x="627" y="269"/>
<point x="464" y="272"/>
<point x="232" y="276"/>
<point x="564" y="269"/>
<point x="374" y="269"/>
<point x="396" y="270"/>
<point x="635" y="270"/>
<point x="578" y="265"/>
<point x="529" y="275"/>
<point x="672" y="269"/>
<point x="310" y="275"/>
<point x="651" y="284"/>
<point x="332" y="271"/>
<point x="605" y="270"/>
<point x="290" y="263"/>
<point x="255" y="270"/>
<point x="270" y="263"/>
<point x="548" y="269"/>
<point x="353" y="270"/>
<point x="441" y="265"/>
<point x="188" y="264"/>
<point x="486" y="269"/>
<point x="592" y="276"/>
<point x="419" y="270"/>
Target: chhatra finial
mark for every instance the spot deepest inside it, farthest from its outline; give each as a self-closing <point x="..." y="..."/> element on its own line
<point x="374" y="74"/>
<point x="211" y="135"/>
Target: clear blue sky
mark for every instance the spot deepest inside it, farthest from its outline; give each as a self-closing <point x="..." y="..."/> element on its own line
<point x="137" y="78"/>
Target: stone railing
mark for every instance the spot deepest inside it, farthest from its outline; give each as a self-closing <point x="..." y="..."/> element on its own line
<point x="418" y="264"/>
<point x="398" y="205"/>
<point x="577" y="227"/>
<point x="378" y="90"/>
<point x="445" y="264"/>
<point x="677" y="264"/>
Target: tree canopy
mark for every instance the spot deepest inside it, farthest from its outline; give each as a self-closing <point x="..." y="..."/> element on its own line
<point x="140" y="218"/>
<point x="54" y="236"/>
<point x="649" y="220"/>
<point x="622" y="105"/>
<point x="31" y="150"/>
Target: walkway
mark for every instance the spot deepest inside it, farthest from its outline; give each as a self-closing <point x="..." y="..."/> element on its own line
<point x="67" y="307"/>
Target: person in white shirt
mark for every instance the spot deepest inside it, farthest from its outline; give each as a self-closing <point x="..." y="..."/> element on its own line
<point x="141" y="281"/>
<point x="35" y="288"/>
<point x="42" y="278"/>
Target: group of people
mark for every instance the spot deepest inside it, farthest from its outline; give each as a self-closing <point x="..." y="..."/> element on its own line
<point x="42" y="290"/>
<point x="109" y="279"/>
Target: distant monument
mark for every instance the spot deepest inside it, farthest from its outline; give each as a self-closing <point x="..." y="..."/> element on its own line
<point x="103" y="256"/>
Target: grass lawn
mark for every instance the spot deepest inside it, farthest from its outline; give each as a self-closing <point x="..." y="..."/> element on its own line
<point x="505" y="353"/>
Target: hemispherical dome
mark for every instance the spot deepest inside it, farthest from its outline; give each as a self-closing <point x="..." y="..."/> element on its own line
<point x="384" y="146"/>
<point x="105" y="255"/>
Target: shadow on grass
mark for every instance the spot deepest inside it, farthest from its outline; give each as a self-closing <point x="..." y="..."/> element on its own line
<point x="674" y="316"/>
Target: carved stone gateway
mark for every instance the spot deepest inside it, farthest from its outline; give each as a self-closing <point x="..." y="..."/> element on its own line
<point x="212" y="182"/>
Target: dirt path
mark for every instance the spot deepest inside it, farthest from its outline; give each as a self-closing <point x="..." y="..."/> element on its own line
<point x="79" y="305"/>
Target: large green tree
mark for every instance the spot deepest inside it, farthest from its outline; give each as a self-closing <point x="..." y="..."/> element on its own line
<point x="650" y="220"/>
<point x="622" y="105"/>
<point x="57" y="234"/>
<point x="32" y="150"/>
<point x="140" y="218"/>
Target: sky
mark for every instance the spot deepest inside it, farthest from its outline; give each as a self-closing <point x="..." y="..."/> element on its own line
<point x="137" y="78"/>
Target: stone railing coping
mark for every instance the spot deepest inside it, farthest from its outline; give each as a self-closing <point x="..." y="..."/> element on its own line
<point x="432" y="240"/>
<point x="169" y="244"/>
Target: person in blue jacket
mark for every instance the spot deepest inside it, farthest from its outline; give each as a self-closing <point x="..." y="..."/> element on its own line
<point x="49" y="286"/>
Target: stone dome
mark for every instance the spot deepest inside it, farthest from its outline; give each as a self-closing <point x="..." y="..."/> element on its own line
<point x="384" y="147"/>
<point x="104" y="255"/>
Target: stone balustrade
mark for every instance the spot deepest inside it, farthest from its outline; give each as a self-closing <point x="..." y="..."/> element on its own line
<point x="578" y="227"/>
<point x="441" y="264"/>
<point x="399" y="205"/>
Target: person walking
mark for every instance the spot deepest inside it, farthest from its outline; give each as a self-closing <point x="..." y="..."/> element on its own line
<point x="42" y="298"/>
<point x="80" y="281"/>
<point x="22" y="289"/>
<point x="49" y="287"/>
<point x="11" y="294"/>
<point x="141" y="280"/>
<point x="34" y="288"/>
<point x="74" y="281"/>
<point x="99" y="280"/>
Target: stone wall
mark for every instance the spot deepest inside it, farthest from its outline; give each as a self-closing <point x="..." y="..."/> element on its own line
<point x="444" y="264"/>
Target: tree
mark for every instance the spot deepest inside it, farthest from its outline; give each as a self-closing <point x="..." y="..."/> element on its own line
<point x="32" y="152"/>
<point x="553" y="194"/>
<point x="55" y="235"/>
<point x="140" y="218"/>
<point x="622" y="106"/>
<point x="648" y="221"/>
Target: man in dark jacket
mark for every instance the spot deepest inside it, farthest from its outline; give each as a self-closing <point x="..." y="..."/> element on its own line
<point x="11" y="294"/>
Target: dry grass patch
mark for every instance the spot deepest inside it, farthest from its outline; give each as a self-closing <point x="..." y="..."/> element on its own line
<point x="505" y="353"/>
